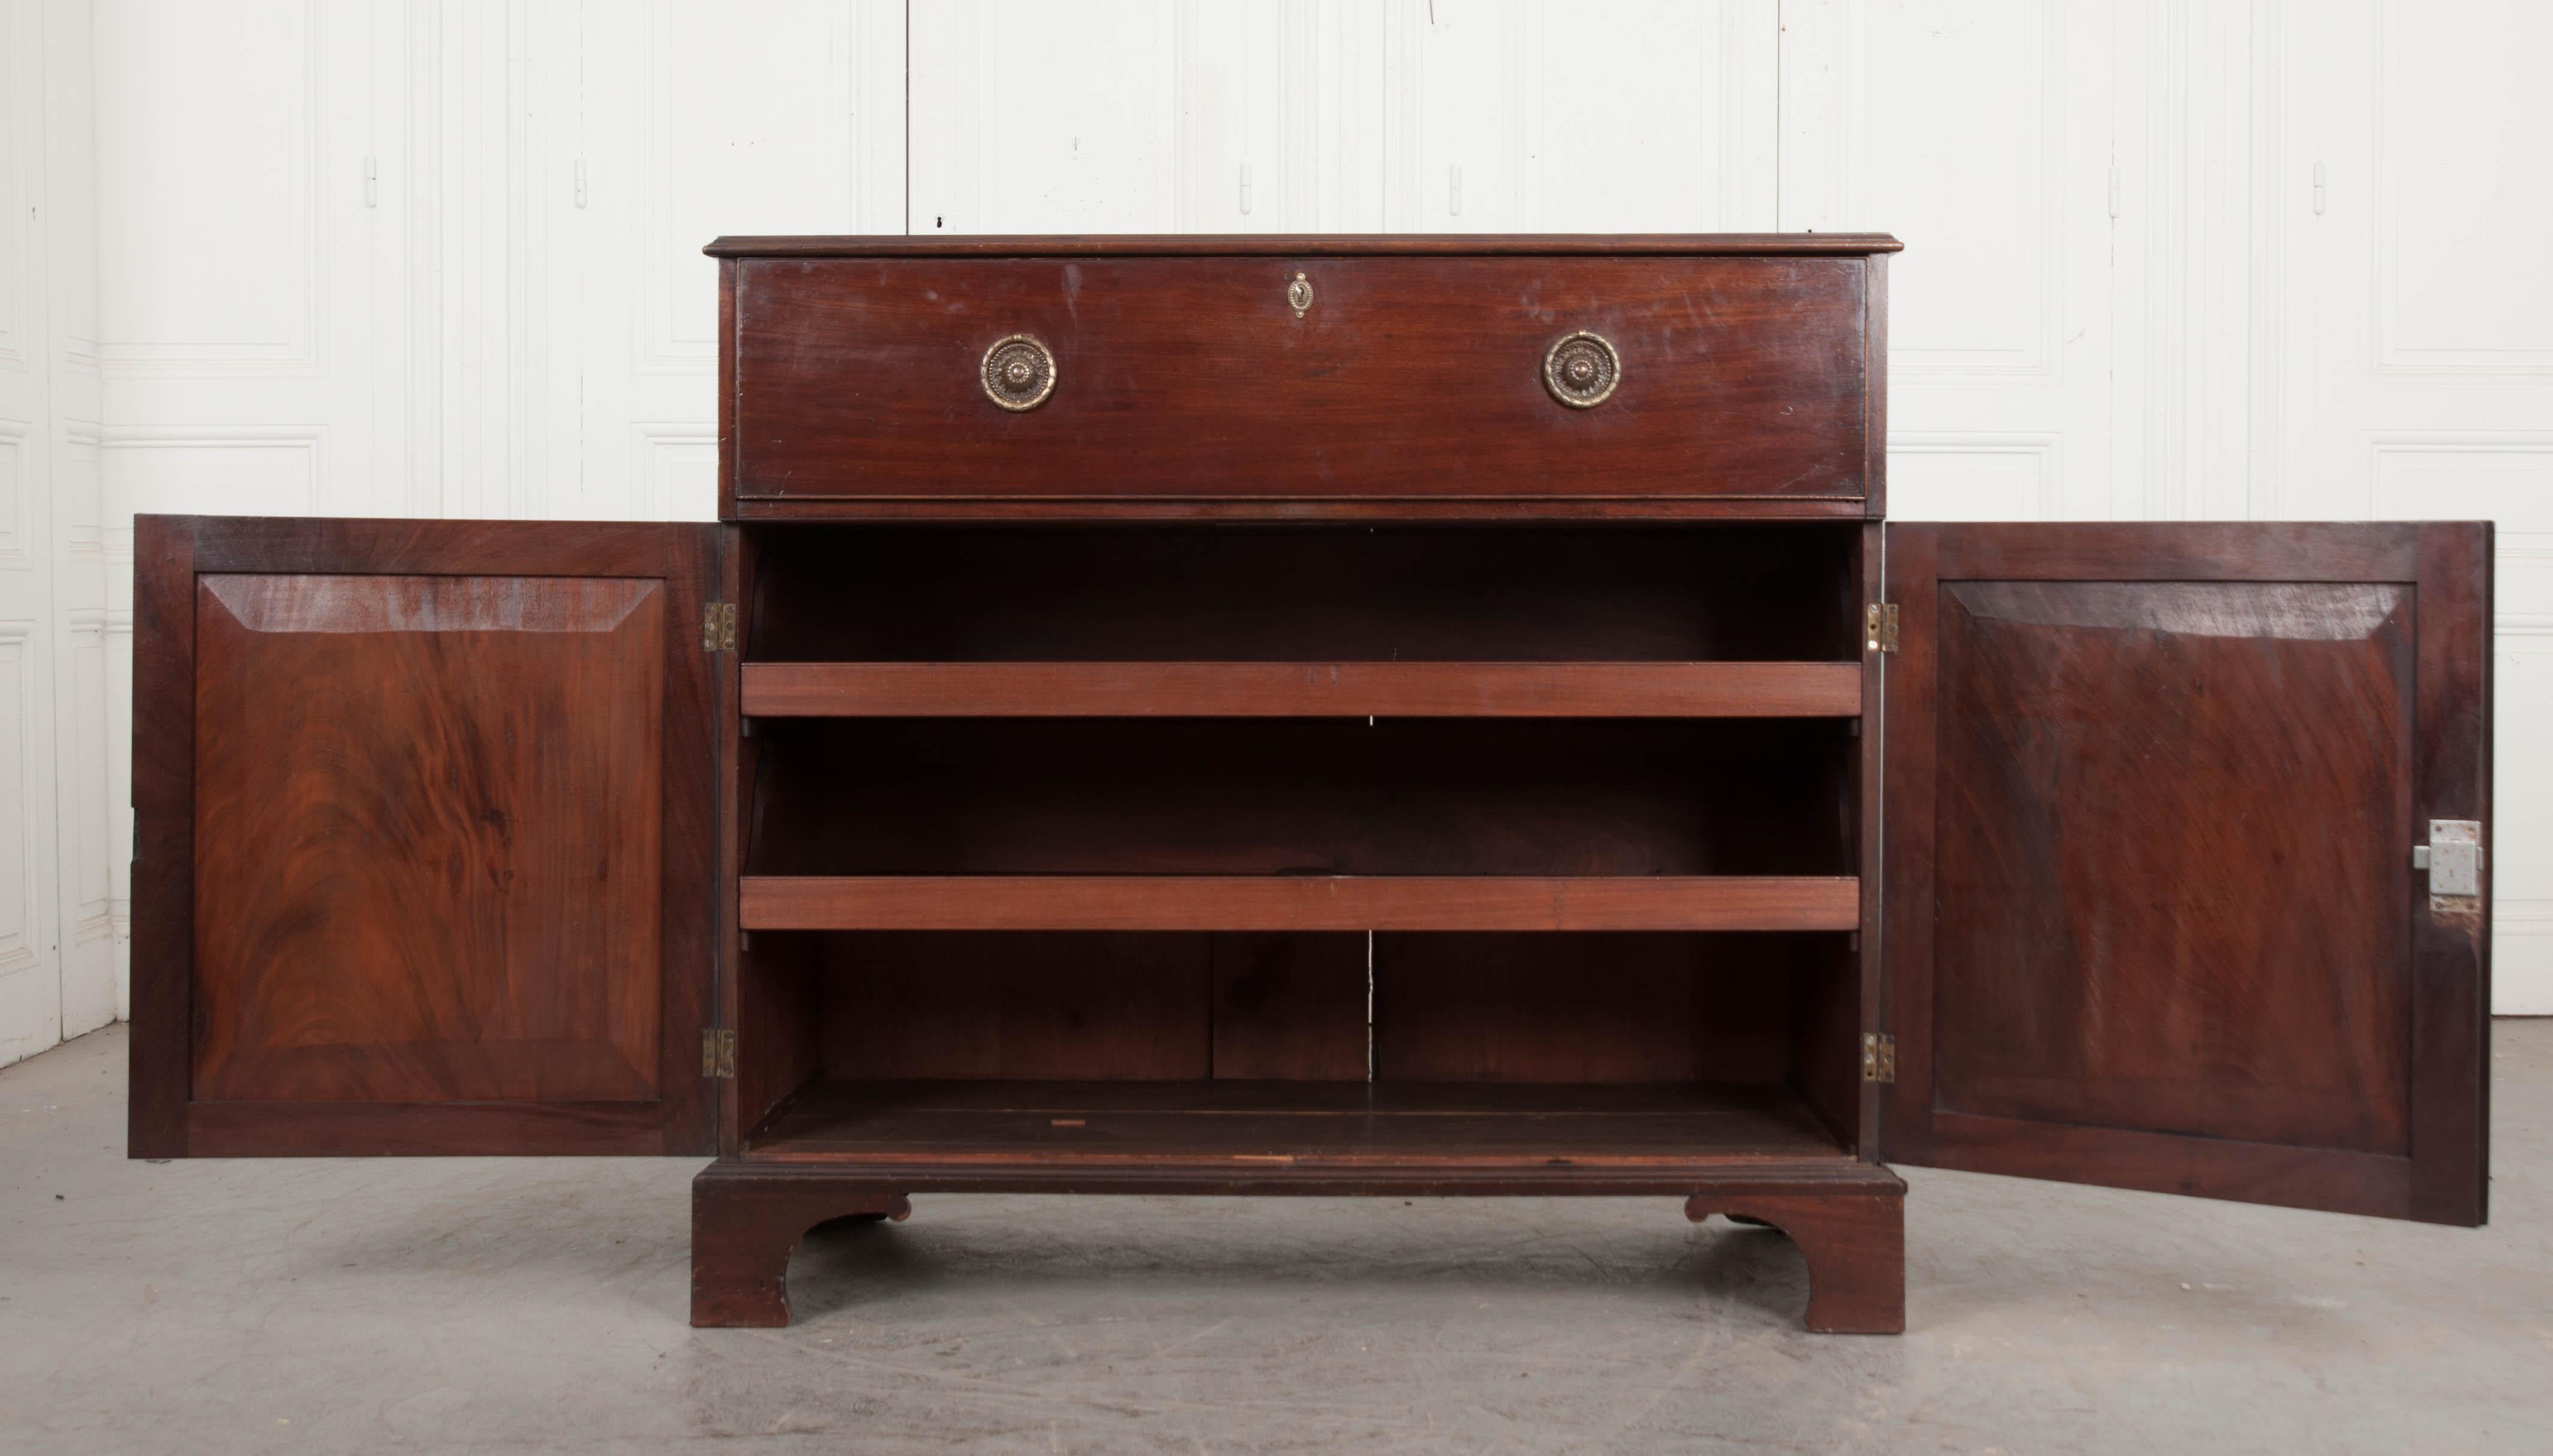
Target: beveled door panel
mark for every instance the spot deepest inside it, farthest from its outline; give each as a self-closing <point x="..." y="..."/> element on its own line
<point x="465" y="755"/>
<point x="2257" y="864"/>
<point x="427" y="845"/>
<point x="2151" y="914"/>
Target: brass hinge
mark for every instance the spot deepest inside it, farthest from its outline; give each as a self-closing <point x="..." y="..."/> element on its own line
<point x="1880" y="626"/>
<point x="1878" y="1057"/>
<point x="718" y="1055"/>
<point x="718" y="626"/>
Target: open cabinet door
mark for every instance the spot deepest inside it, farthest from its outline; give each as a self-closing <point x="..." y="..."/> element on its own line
<point x="2151" y="916"/>
<point x="425" y="848"/>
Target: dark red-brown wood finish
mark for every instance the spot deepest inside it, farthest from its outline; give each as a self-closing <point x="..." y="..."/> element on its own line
<point x="449" y="784"/>
<point x="1292" y="379"/>
<point x="1303" y="245"/>
<point x="1847" y="1219"/>
<point x="1854" y="1243"/>
<point x="1304" y="756"/>
<point x="1343" y="690"/>
<point x="2152" y="921"/>
<point x="1195" y="378"/>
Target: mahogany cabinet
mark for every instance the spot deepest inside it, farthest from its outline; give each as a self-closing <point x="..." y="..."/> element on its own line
<point x="1409" y="716"/>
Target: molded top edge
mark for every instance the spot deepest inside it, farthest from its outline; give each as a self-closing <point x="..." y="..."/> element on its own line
<point x="1312" y="245"/>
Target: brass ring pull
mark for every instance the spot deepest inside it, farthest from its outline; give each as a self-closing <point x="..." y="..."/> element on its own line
<point x="1018" y="372"/>
<point x="1581" y="369"/>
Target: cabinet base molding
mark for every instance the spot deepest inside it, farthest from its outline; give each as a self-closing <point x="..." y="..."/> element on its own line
<point x="1855" y="1245"/>
<point x="745" y="1224"/>
<point x="1847" y="1220"/>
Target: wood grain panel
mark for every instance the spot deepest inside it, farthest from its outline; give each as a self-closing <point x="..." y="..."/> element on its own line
<point x="2152" y="921"/>
<point x="1290" y="1008"/>
<point x="1304" y="689"/>
<point x="1077" y="1007"/>
<point x="2173" y="861"/>
<point x="1826" y="1027"/>
<point x="439" y="811"/>
<point x="280" y="696"/>
<point x="2335" y="1180"/>
<point x="1297" y="902"/>
<point x="779" y="1000"/>
<point x="1583" y="1008"/>
<point x="439" y="1129"/>
<point x="1192" y="377"/>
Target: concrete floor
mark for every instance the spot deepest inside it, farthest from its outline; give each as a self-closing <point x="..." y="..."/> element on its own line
<point x="539" y="1304"/>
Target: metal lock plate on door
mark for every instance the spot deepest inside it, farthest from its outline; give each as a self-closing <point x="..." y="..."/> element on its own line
<point x="2453" y="858"/>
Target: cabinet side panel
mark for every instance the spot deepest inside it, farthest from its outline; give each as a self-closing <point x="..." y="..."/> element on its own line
<point x="441" y="811"/>
<point x="1875" y="370"/>
<point x="1827" y="1019"/>
<point x="726" y="390"/>
<point x="164" y="886"/>
<point x="779" y="1026"/>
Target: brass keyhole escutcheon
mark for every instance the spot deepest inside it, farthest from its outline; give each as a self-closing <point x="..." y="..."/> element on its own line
<point x="1300" y="294"/>
<point x="1581" y="369"/>
<point x="1018" y="372"/>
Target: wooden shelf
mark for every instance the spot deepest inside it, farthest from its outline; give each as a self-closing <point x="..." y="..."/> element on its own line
<point x="1337" y="1124"/>
<point x="1256" y="689"/>
<point x="1299" y="902"/>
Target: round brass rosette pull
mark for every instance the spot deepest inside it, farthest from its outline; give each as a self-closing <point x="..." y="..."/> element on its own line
<point x="1019" y="373"/>
<point x="1581" y="369"/>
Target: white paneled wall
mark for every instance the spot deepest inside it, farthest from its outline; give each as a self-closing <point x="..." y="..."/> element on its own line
<point x="690" y="124"/>
<point x="1982" y="135"/>
<point x="2414" y="341"/>
<point x="62" y="631"/>
<point x="2164" y="259"/>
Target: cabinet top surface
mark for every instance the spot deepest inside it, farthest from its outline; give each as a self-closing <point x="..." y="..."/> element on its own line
<point x="1324" y="244"/>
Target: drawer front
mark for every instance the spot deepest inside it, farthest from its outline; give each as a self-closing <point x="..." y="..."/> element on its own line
<point x="1418" y="378"/>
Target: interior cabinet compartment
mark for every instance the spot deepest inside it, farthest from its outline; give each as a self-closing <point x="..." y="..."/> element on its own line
<point x="1302" y="797"/>
<point x="1344" y="1047"/>
<point x="1759" y="593"/>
